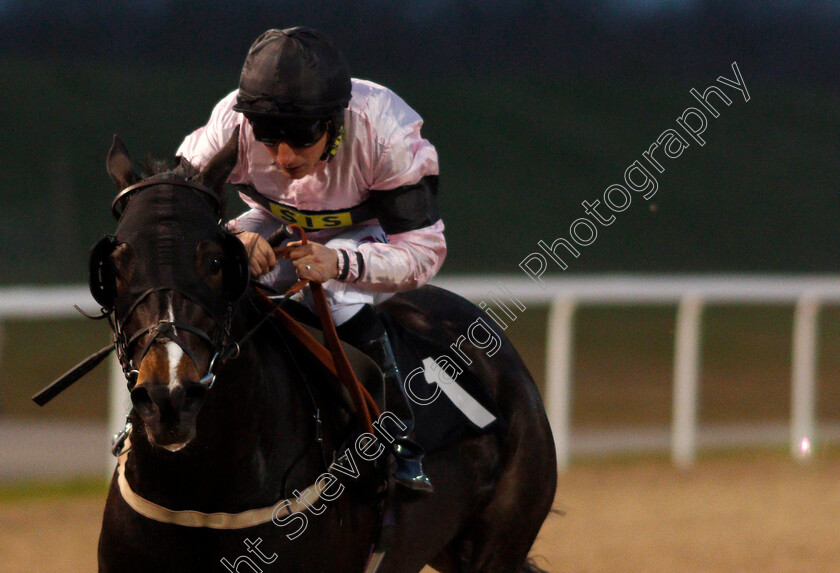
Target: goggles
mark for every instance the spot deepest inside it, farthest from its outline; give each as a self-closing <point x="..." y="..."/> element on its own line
<point x="293" y="132"/>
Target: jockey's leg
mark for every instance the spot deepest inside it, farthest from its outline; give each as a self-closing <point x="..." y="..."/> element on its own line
<point x="366" y="331"/>
<point x="359" y="324"/>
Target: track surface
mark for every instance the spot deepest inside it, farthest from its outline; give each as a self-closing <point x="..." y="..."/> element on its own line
<point x="744" y="513"/>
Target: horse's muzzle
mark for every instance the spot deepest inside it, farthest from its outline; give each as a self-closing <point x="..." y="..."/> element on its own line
<point x="168" y="398"/>
<point x="169" y="413"/>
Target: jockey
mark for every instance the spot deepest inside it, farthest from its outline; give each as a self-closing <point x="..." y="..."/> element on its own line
<point x="344" y="159"/>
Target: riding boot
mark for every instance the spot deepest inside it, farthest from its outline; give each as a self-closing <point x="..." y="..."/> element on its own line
<point x="375" y="342"/>
<point x="408" y="453"/>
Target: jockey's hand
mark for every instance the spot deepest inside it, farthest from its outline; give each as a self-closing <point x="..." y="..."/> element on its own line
<point x="260" y="254"/>
<point x="312" y="261"/>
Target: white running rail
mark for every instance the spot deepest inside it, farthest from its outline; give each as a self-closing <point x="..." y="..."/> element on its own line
<point x="690" y="293"/>
<point x="563" y="294"/>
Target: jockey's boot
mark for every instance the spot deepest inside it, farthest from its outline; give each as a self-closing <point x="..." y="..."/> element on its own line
<point x="407" y="452"/>
<point x="377" y="345"/>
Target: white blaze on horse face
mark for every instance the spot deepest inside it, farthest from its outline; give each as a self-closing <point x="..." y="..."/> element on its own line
<point x="174" y="353"/>
<point x="171" y="312"/>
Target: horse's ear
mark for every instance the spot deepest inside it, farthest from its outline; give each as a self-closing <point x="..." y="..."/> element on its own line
<point x="119" y="165"/>
<point x="216" y="173"/>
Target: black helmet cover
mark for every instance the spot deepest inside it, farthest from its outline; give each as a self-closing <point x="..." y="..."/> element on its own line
<point x="296" y="72"/>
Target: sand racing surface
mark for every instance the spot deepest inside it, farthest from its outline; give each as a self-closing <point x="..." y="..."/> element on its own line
<point x="732" y="513"/>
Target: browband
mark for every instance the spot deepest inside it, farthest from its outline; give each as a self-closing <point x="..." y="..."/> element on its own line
<point x="117" y="206"/>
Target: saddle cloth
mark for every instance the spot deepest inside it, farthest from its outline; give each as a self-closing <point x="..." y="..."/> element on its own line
<point x="448" y="405"/>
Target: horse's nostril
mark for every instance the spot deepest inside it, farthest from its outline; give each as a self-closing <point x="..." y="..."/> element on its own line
<point x="142" y="401"/>
<point x="194" y="396"/>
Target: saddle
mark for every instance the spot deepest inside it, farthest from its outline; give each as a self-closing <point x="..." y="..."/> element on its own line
<point x="445" y="409"/>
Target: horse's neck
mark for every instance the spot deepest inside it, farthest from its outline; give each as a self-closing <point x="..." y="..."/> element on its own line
<point x="257" y="420"/>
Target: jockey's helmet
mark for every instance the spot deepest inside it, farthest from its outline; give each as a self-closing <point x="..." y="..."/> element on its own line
<point x="293" y="78"/>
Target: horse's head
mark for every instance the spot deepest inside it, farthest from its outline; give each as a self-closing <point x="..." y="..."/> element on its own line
<point x="170" y="276"/>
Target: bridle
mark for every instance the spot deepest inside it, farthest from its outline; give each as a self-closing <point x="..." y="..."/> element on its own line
<point x="102" y="284"/>
<point x="220" y="344"/>
<point x="124" y="196"/>
<point x="103" y="289"/>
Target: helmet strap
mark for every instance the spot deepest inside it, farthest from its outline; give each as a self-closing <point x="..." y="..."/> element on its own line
<point x="335" y="140"/>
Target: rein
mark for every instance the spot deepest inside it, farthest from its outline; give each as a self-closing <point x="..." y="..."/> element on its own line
<point x="365" y="405"/>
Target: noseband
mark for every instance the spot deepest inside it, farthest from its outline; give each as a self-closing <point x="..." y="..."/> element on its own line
<point x="167" y="330"/>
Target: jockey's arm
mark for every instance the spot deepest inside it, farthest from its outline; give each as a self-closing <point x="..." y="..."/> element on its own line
<point x="416" y="246"/>
<point x="414" y="253"/>
<point x="409" y="260"/>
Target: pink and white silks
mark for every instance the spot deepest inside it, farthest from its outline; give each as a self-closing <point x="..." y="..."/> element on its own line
<point x="381" y="150"/>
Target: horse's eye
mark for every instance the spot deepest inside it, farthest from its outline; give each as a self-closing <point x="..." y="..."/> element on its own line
<point x="215" y="265"/>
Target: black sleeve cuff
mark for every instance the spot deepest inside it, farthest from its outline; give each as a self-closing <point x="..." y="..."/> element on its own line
<point x="360" y="261"/>
<point x="345" y="265"/>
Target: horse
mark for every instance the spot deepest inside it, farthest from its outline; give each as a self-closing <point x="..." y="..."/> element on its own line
<point x="232" y="417"/>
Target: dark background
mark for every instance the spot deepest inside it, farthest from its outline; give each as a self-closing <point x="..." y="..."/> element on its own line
<point x="533" y="106"/>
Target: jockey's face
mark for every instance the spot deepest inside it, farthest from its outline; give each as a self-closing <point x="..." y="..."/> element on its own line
<point x="296" y="162"/>
<point x="295" y="144"/>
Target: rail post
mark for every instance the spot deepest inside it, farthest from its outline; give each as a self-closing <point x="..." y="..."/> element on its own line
<point x="687" y="348"/>
<point x="559" y="360"/>
<point x="803" y="376"/>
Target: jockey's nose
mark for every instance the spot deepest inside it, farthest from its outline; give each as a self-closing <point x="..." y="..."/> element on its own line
<point x="282" y="154"/>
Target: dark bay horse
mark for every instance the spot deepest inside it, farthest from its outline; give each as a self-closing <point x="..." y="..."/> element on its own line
<point x="262" y="433"/>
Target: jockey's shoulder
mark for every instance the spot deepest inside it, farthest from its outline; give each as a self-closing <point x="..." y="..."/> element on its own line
<point x="388" y="116"/>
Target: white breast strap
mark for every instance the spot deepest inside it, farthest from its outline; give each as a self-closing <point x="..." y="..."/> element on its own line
<point x="192" y="518"/>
